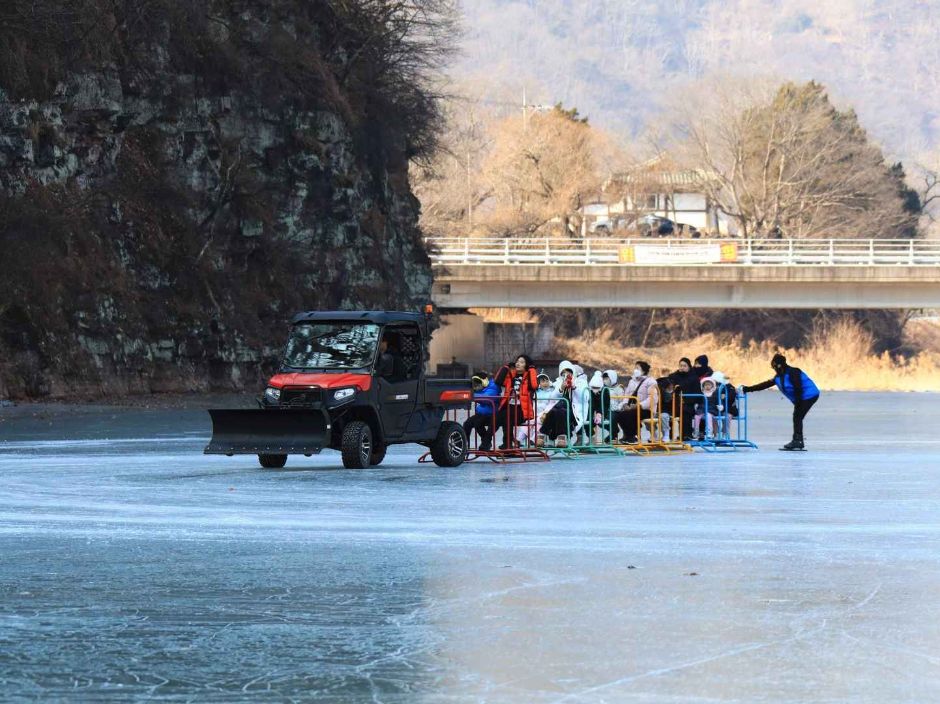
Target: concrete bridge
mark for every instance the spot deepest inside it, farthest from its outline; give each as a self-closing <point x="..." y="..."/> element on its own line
<point x="663" y="273"/>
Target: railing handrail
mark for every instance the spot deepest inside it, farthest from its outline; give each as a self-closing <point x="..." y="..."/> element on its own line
<point x="590" y="251"/>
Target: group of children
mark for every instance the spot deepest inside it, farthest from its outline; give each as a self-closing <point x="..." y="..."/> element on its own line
<point x="532" y="409"/>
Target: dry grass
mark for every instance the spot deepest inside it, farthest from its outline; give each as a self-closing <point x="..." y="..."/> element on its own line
<point x="839" y="358"/>
<point x="504" y="315"/>
<point x="923" y="334"/>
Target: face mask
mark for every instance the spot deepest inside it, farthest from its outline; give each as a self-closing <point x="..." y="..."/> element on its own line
<point x="637" y="373"/>
<point x="608" y="383"/>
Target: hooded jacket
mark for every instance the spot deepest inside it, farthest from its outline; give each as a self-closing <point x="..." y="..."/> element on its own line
<point x="561" y="387"/>
<point x="490" y="391"/>
<point x="578" y="395"/>
<point x="580" y="400"/>
<point x="616" y="390"/>
<point x="597" y="381"/>
<point x="711" y="398"/>
<point x="702" y="371"/>
<point x="600" y="395"/>
<point x="545" y="400"/>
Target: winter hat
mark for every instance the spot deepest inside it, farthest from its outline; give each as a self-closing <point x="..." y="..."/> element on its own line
<point x="597" y="381"/>
<point x="719" y="378"/>
<point x="565" y="365"/>
<point x="612" y="375"/>
<point x="578" y="371"/>
<point x="708" y="381"/>
<point x="778" y="360"/>
<point x="543" y="376"/>
<point x="686" y="360"/>
<point x="702" y="360"/>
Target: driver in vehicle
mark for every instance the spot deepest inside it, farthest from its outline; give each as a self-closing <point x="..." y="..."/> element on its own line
<point x="391" y="364"/>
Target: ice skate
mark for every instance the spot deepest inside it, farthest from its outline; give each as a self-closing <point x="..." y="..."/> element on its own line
<point x="795" y="445"/>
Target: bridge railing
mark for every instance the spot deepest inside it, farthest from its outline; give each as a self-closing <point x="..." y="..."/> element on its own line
<point x="682" y="252"/>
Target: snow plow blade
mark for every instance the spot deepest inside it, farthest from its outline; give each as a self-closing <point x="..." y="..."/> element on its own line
<point x="259" y="431"/>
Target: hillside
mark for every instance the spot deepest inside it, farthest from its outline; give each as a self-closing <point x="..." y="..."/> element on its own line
<point x="177" y="180"/>
<point x="624" y="62"/>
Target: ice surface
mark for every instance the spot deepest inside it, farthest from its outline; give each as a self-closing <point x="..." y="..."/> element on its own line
<point x="133" y="567"/>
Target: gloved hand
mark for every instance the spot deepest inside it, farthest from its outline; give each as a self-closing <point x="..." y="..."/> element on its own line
<point x="720" y="408"/>
<point x="741" y="390"/>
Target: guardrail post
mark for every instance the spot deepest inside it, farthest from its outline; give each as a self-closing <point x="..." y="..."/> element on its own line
<point x="871" y="252"/>
<point x="832" y="253"/>
<point x="587" y="251"/>
<point x="506" y="241"/>
<point x="548" y="251"/>
<point x="790" y="252"/>
<point x="912" y="252"/>
<point x="466" y="250"/>
<point x="750" y="251"/>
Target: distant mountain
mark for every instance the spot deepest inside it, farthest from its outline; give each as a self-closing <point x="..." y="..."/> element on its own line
<point x="621" y="61"/>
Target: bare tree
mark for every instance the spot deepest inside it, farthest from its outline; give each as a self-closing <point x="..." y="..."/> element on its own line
<point x="541" y="169"/>
<point x="450" y="186"/>
<point x="792" y="163"/>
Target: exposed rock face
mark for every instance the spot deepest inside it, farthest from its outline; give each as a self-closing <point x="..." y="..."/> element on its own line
<point x="164" y="211"/>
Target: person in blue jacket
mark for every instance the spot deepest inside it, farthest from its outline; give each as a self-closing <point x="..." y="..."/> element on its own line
<point x="484" y="387"/>
<point x="796" y="385"/>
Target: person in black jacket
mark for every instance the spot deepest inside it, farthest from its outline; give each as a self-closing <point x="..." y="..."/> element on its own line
<point x="600" y="406"/>
<point x="688" y="380"/>
<point x="701" y="367"/>
<point x="683" y="376"/>
<point x="796" y="385"/>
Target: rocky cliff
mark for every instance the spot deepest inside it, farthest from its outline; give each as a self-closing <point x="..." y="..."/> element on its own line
<point x="176" y="181"/>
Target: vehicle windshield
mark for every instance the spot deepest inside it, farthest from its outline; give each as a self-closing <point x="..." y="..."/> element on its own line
<point x="341" y="346"/>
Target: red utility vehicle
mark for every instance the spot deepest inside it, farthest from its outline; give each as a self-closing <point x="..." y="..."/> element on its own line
<point x="353" y="382"/>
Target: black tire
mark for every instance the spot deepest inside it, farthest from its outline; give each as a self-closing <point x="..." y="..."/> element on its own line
<point x="449" y="448"/>
<point x="378" y="453"/>
<point x="272" y="461"/>
<point x="357" y="445"/>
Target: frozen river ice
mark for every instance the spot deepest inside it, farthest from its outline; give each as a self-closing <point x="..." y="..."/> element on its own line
<point x="133" y="567"/>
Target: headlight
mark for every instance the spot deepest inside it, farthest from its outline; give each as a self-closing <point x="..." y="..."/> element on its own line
<point x="343" y="394"/>
<point x="273" y="395"/>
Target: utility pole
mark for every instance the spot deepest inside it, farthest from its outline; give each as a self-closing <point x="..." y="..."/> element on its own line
<point x="538" y="107"/>
<point x="469" y="198"/>
<point x="525" y="116"/>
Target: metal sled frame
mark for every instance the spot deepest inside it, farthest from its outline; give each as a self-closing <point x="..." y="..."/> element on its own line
<point x="653" y="446"/>
<point x="723" y="440"/>
<point x="511" y="455"/>
<point x="656" y="444"/>
<point x="576" y="450"/>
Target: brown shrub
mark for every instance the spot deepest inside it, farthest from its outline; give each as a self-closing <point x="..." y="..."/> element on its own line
<point x="838" y="357"/>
